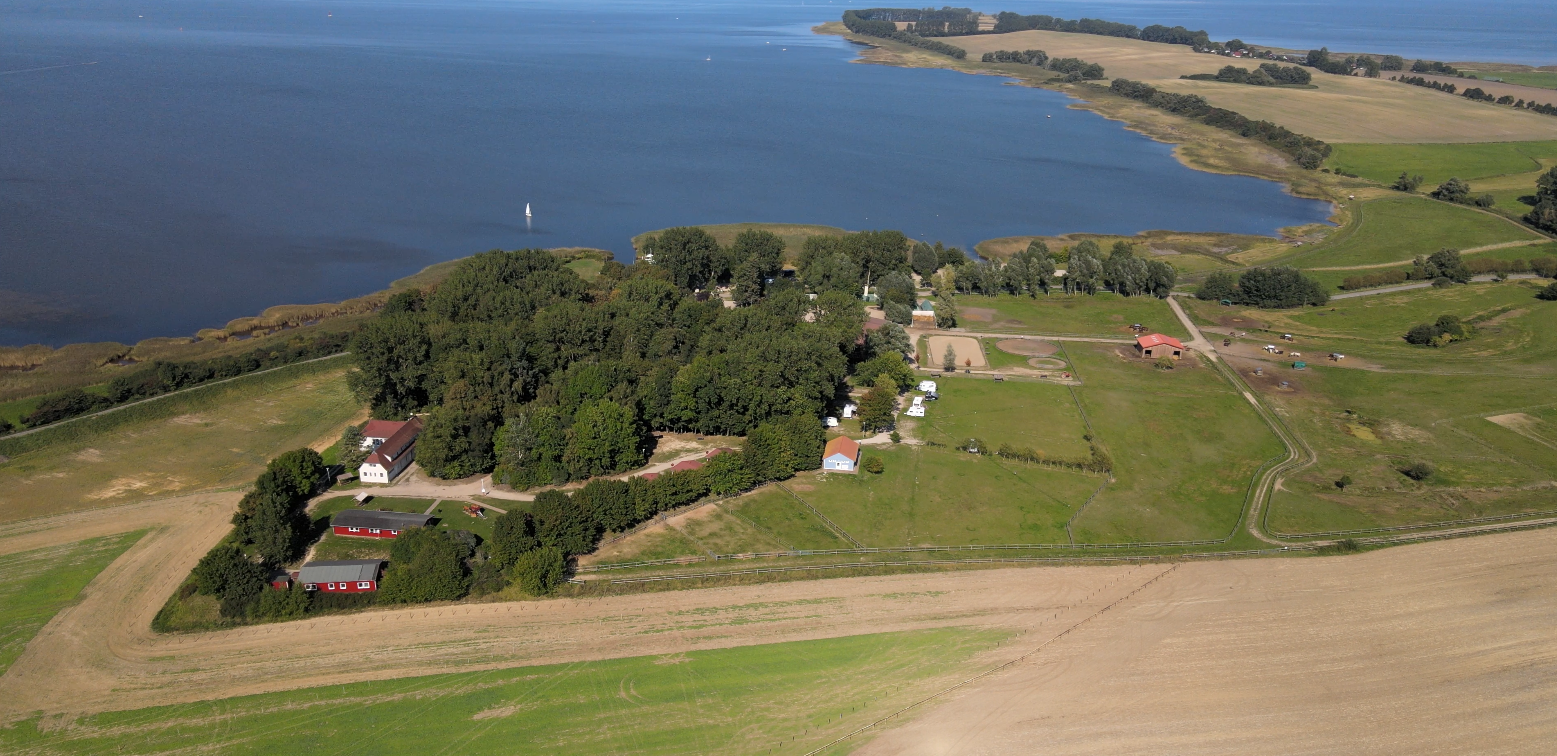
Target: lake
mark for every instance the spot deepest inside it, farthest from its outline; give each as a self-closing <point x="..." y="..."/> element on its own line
<point x="169" y="165"/>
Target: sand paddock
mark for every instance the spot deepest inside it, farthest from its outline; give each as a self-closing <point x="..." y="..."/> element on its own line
<point x="969" y="353"/>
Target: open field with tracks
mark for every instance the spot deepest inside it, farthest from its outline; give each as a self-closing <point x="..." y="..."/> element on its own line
<point x="1397" y="228"/>
<point x="1336" y="109"/>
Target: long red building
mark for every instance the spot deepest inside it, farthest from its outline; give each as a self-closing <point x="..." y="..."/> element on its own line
<point x="374" y="524"/>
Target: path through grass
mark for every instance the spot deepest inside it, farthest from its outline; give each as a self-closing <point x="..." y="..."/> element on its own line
<point x="35" y="585"/>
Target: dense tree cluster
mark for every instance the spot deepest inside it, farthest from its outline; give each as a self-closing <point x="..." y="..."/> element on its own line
<point x="270" y="516"/>
<point x="1446" y="329"/>
<point x="1392" y="63"/>
<point x="525" y="371"/>
<point x="1266" y="75"/>
<point x="1306" y="151"/>
<point x="1448" y="264"/>
<point x="160" y="377"/>
<point x="1011" y="22"/>
<point x="855" y="22"/>
<point x="1434" y="67"/>
<point x="1429" y="83"/>
<point x="1026" y="57"/>
<point x="1544" y="214"/>
<point x="1407" y="182"/>
<point x="1076" y="69"/>
<point x="927" y="22"/>
<point x="1321" y="60"/>
<point x="426" y="564"/>
<point x="1457" y="191"/>
<point x="1268" y="288"/>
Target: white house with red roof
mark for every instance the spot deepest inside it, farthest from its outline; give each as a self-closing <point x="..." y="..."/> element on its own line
<point x="1154" y="345"/>
<point x="393" y="453"/>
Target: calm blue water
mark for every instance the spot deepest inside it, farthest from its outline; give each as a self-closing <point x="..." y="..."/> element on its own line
<point x="216" y="158"/>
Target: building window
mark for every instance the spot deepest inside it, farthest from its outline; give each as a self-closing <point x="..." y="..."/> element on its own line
<point x="372" y="530"/>
<point x="330" y="586"/>
<point x="354" y="530"/>
<point x="394" y="532"/>
<point x="364" y="586"/>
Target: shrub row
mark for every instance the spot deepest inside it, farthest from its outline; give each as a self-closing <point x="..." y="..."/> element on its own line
<point x="1307" y="151"/>
<point x="888" y="30"/>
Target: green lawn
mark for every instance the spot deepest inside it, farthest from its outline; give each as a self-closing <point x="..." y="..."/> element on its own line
<point x="777" y="513"/>
<point x="1399" y="228"/>
<point x="1420" y="404"/>
<point x="35" y="585"/>
<point x="1542" y="79"/>
<point x="1041" y="416"/>
<point x="1438" y="162"/>
<point x="586" y="267"/>
<point x="1061" y="314"/>
<point x="782" y="697"/>
<point x="939" y="496"/>
<point x="721" y="532"/>
<point x="1185" y="446"/>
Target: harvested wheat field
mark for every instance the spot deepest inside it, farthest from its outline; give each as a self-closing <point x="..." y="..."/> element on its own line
<point x="1435" y="648"/>
<point x="1336" y="109"/>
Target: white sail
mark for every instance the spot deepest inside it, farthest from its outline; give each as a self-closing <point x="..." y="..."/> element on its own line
<point x="526" y="209"/>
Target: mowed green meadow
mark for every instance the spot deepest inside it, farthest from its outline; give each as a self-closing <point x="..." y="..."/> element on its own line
<point x="1437" y="163"/>
<point x="1185" y="445"/>
<point x="1419" y="404"/>
<point x="1028" y="415"/>
<point x="775" y="698"/>
<point x="1103" y="314"/>
<point x="35" y="585"/>
<point x="1396" y="229"/>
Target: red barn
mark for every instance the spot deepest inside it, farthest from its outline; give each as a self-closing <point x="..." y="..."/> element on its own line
<point x="345" y="576"/>
<point x="1158" y="345"/>
<point x="372" y="524"/>
<point x="690" y="464"/>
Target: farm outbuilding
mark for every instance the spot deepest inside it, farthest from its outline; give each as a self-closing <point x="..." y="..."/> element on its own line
<point x="393" y="454"/>
<point x="923" y="314"/>
<point x="373" y="524"/>
<point x="344" y="576"/>
<point x="842" y="454"/>
<point x="1155" y="345"/>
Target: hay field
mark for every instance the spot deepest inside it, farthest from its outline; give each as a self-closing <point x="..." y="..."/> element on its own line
<point x="1338" y="109"/>
<point x="35" y="585"/>
<point x="208" y="438"/>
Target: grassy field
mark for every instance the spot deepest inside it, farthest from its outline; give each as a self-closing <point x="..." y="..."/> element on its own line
<point x="939" y="496"/>
<point x="1061" y="314"/>
<point x="793" y="234"/>
<point x="210" y="438"/>
<point x="778" y="514"/>
<point x="1041" y="416"/>
<point x="1399" y="228"/>
<point x="1438" y="162"/>
<point x="1337" y="109"/>
<point x="35" y="585"/>
<point x="1417" y="404"/>
<point x="1542" y="79"/>
<point x="783" y="697"/>
<point x="1185" y="446"/>
<point x="586" y="268"/>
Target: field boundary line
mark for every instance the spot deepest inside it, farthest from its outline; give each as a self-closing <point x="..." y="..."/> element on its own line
<point x="127" y="405"/>
<point x="993" y="670"/>
<point x="1422" y="526"/>
<point x="829" y="523"/>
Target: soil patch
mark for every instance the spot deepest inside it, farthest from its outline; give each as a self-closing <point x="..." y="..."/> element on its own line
<point x="1047" y="363"/>
<point x="967" y="349"/>
<point x="1027" y="347"/>
<point x="977" y="314"/>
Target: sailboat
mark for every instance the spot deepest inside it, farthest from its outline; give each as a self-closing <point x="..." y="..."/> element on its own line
<point x="526" y="209"/>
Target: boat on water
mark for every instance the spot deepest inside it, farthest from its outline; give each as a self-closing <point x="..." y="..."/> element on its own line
<point x="527" y="210"/>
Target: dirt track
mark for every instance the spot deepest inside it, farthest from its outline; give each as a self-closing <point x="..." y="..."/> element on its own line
<point x="1441" y="647"/>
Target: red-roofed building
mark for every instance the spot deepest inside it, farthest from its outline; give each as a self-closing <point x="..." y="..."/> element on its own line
<point x="391" y="456"/>
<point x="716" y="452"/>
<point x="841" y="454"/>
<point x="649" y="476"/>
<point x="1157" y="345"/>
<point x="690" y="464"/>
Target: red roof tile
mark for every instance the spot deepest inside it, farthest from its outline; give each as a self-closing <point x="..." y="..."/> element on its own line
<point x="690" y="464"/>
<point x="842" y="445"/>
<point x="1156" y="339"/>
<point x="382" y="428"/>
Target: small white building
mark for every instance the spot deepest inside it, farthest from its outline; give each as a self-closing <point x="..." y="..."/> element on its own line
<point x="842" y="454"/>
<point x="915" y="411"/>
<point x="391" y="455"/>
<point x="927" y="386"/>
<point x="850" y="409"/>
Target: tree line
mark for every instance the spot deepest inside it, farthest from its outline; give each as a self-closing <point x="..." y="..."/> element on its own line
<point x="1025" y="57"/>
<point x="1305" y="151"/>
<point x="1543" y="214"/>
<point x="927" y="22"/>
<point x="1453" y="269"/>
<point x="857" y="22"/>
<point x="1267" y="288"/>
<point x="1266" y="75"/>
<point x="1033" y="271"/>
<point x="1076" y="69"/>
<point x="1321" y="60"/>
<point x="1440" y="333"/>
<point x="161" y="377"/>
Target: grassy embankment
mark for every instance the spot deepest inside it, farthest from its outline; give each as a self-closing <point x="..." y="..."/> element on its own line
<point x="1101" y="315"/>
<point x="793" y="234"/>
<point x="1390" y="404"/>
<point x="1187" y="252"/>
<point x="1506" y="170"/>
<point x="810" y="692"/>
<point x="213" y="437"/>
<point x="1394" y="229"/>
<point x="35" y="585"/>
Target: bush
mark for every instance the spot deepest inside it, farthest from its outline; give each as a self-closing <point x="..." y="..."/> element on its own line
<point x="1549" y="293"/>
<point x="874" y="465"/>
<point x="899" y="313"/>
<point x="425" y="565"/>
<point x="539" y="571"/>
<point x="1343" y="481"/>
<point x="1164" y="363"/>
<point x="1417" y="471"/>
<point x="897" y="438"/>
<point x="282" y="605"/>
<point x="1217" y="287"/>
<point x="563" y="524"/>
